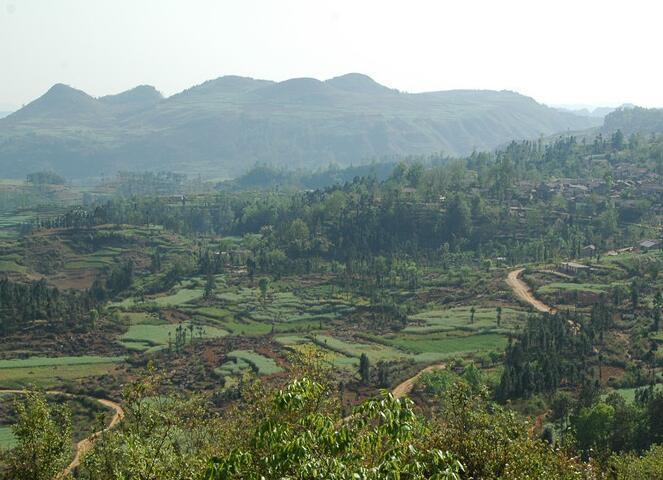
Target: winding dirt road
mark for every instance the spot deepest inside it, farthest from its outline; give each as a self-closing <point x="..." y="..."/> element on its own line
<point x="84" y="445"/>
<point x="406" y="386"/>
<point x="523" y="292"/>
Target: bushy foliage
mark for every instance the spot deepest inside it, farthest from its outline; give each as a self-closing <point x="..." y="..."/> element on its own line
<point x="43" y="433"/>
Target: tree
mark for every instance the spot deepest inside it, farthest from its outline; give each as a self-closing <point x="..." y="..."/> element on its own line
<point x="263" y="285"/>
<point x="93" y="317"/>
<point x="155" y="261"/>
<point x="635" y="294"/>
<point x="459" y="218"/>
<point x="44" y="439"/>
<point x="210" y="286"/>
<point x="617" y="140"/>
<point x="658" y="306"/>
<point x="297" y="236"/>
<point x="593" y="427"/>
<point x="561" y="407"/>
<point x="364" y="369"/>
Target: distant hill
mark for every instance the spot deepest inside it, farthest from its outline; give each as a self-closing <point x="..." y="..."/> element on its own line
<point x="586" y="111"/>
<point x="226" y="125"/>
<point x="4" y="114"/>
<point x="634" y="119"/>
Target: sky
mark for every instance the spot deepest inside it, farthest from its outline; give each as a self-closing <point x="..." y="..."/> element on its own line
<point x="580" y="52"/>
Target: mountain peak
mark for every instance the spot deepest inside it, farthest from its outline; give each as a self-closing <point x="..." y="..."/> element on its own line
<point x="227" y="85"/>
<point x="60" y="90"/>
<point x="60" y="102"/>
<point x="140" y="95"/>
<point x="304" y="89"/>
<point x="357" y="82"/>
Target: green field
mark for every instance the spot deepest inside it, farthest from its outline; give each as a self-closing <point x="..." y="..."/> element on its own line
<point x="263" y="365"/>
<point x="289" y="340"/>
<point x="628" y="394"/>
<point x="10" y="262"/>
<point x="49" y="376"/>
<point x="443" y="345"/>
<point x="417" y="347"/>
<point x="212" y="312"/>
<point x="56" y="361"/>
<point x="143" y="318"/>
<point x="181" y="297"/>
<point x="374" y="351"/>
<point x="254" y="328"/>
<point x="302" y="345"/>
<point x="233" y="367"/>
<point x="573" y="287"/>
<point x="149" y="337"/>
<point x="459" y="318"/>
<point x="7" y="439"/>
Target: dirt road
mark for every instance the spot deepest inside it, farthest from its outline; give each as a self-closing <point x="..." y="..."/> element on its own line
<point x="84" y="445"/>
<point x="523" y="292"/>
<point x="406" y="387"/>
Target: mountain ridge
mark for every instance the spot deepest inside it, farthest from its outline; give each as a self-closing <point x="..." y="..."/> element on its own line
<point x="229" y="123"/>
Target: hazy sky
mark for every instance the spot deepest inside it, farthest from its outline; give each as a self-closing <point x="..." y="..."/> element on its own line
<point x="558" y="51"/>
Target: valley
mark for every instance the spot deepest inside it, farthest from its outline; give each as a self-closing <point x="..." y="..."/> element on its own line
<point x="491" y="273"/>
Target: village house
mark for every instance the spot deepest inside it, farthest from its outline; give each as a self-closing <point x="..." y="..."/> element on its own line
<point x="573" y="268"/>
<point x="647" y="245"/>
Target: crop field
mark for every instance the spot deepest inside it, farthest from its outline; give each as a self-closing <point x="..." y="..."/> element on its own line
<point x="56" y="361"/>
<point x="10" y="262"/>
<point x="578" y="287"/>
<point x="460" y="317"/>
<point x="140" y="318"/>
<point x="7" y="439"/>
<point x="263" y="365"/>
<point x="48" y="376"/>
<point x="290" y="340"/>
<point x="303" y="345"/>
<point x="150" y="337"/>
<point x="212" y="312"/>
<point x="99" y="259"/>
<point x="181" y="297"/>
<point x="444" y="344"/>
<point x="233" y="367"/>
<point x="374" y="351"/>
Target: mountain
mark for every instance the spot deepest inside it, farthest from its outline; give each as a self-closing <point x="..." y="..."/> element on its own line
<point x="586" y="111"/>
<point x="226" y="125"/>
<point x="136" y="99"/>
<point x="60" y="105"/>
<point x="634" y="119"/>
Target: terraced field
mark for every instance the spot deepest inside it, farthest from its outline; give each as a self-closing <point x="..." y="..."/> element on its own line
<point x="374" y="351"/>
<point x="263" y="365"/>
<point x="56" y="361"/>
<point x="47" y="376"/>
<point x="460" y="318"/>
<point x="152" y="337"/>
<point x="7" y="439"/>
<point x="438" y="346"/>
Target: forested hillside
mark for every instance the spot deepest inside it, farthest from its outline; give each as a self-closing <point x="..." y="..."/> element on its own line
<point x="223" y="125"/>
<point x="635" y="119"/>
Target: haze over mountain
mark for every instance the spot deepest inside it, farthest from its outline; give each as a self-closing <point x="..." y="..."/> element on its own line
<point x="226" y="125"/>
